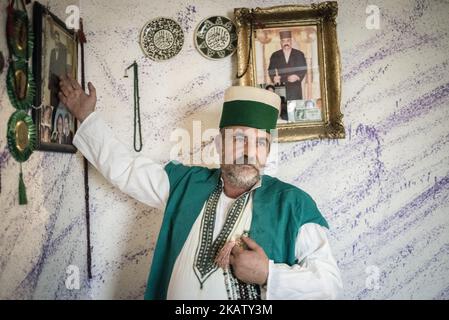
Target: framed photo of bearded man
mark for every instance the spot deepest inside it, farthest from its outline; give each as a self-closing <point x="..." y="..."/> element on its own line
<point x="292" y="50"/>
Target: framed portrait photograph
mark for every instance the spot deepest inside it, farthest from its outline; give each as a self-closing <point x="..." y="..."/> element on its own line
<point x="292" y="50"/>
<point x="55" y="54"/>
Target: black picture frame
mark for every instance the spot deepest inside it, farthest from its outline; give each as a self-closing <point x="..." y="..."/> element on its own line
<point x="50" y="135"/>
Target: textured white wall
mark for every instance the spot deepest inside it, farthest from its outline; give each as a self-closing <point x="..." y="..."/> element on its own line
<point x="38" y="241"/>
<point x="383" y="189"/>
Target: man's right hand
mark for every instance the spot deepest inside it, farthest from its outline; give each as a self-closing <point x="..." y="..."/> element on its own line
<point x="80" y="104"/>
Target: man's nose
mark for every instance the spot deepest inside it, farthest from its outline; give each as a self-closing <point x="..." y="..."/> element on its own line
<point x="245" y="148"/>
<point x="250" y="154"/>
<point x="242" y="151"/>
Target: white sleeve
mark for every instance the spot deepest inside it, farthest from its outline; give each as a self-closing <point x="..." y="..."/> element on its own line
<point x="134" y="174"/>
<point x="316" y="276"/>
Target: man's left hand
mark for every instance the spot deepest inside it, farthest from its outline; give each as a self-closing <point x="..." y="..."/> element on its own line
<point x="293" y="78"/>
<point x="250" y="265"/>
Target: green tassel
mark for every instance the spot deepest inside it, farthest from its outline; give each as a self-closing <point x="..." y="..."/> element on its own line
<point x="22" y="190"/>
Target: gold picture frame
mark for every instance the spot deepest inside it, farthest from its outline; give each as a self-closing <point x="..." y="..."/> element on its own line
<point x="262" y="27"/>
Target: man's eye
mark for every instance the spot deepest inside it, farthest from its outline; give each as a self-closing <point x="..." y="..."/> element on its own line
<point x="261" y="143"/>
<point x="239" y="138"/>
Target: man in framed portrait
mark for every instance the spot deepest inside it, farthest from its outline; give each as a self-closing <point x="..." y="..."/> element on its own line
<point x="67" y="133"/>
<point x="288" y="66"/>
<point x="57" y="134"/>
<point x="57" y="68"/>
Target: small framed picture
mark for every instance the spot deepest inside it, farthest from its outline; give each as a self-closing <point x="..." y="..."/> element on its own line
<point x="293" y="52"/>
<point x="55" y="54"/>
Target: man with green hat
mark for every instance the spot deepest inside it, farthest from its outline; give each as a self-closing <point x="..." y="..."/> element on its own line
<point x="227" y="233"/>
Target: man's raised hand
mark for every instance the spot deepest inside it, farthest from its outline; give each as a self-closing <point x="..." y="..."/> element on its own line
<point x="80" y="104"/>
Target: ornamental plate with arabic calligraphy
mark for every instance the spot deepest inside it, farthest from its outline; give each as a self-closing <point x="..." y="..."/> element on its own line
<point x="216" y="37"/>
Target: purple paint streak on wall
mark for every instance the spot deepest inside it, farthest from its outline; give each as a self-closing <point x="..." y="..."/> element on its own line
<point x="418" y="107"/>
<point x="404" y="37"/>
<point x="4" y="157"/>
<point x="52" y="242"/>
<point x="186" y="17"/>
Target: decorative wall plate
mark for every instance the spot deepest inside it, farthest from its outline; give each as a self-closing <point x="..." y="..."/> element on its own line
<point x="20" y="85"/>
<point x="216" y="37"/>
<point x="161" y="39"/>
<point x="21" y="135"/>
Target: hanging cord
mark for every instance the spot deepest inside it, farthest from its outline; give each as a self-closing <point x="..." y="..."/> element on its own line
<point x="251" y="22"/>
<point x="137" y="123"/>
<point x="82" y="39"/>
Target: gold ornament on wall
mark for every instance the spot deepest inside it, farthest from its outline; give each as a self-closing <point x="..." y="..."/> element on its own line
<point x="21" y="131"/>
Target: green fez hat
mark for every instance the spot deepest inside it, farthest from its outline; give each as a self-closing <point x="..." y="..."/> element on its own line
<point x="250" y="107"/>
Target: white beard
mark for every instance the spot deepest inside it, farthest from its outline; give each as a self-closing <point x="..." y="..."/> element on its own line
<point x="241" y="176"/>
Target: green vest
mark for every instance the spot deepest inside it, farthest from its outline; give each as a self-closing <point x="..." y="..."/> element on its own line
<point x="279" y="210"/>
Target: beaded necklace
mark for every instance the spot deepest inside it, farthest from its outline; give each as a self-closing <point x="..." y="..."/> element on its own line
<point x="207" y="249"/>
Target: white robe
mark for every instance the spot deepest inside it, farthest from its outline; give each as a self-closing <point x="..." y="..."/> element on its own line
<point x="316" y="276"/>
